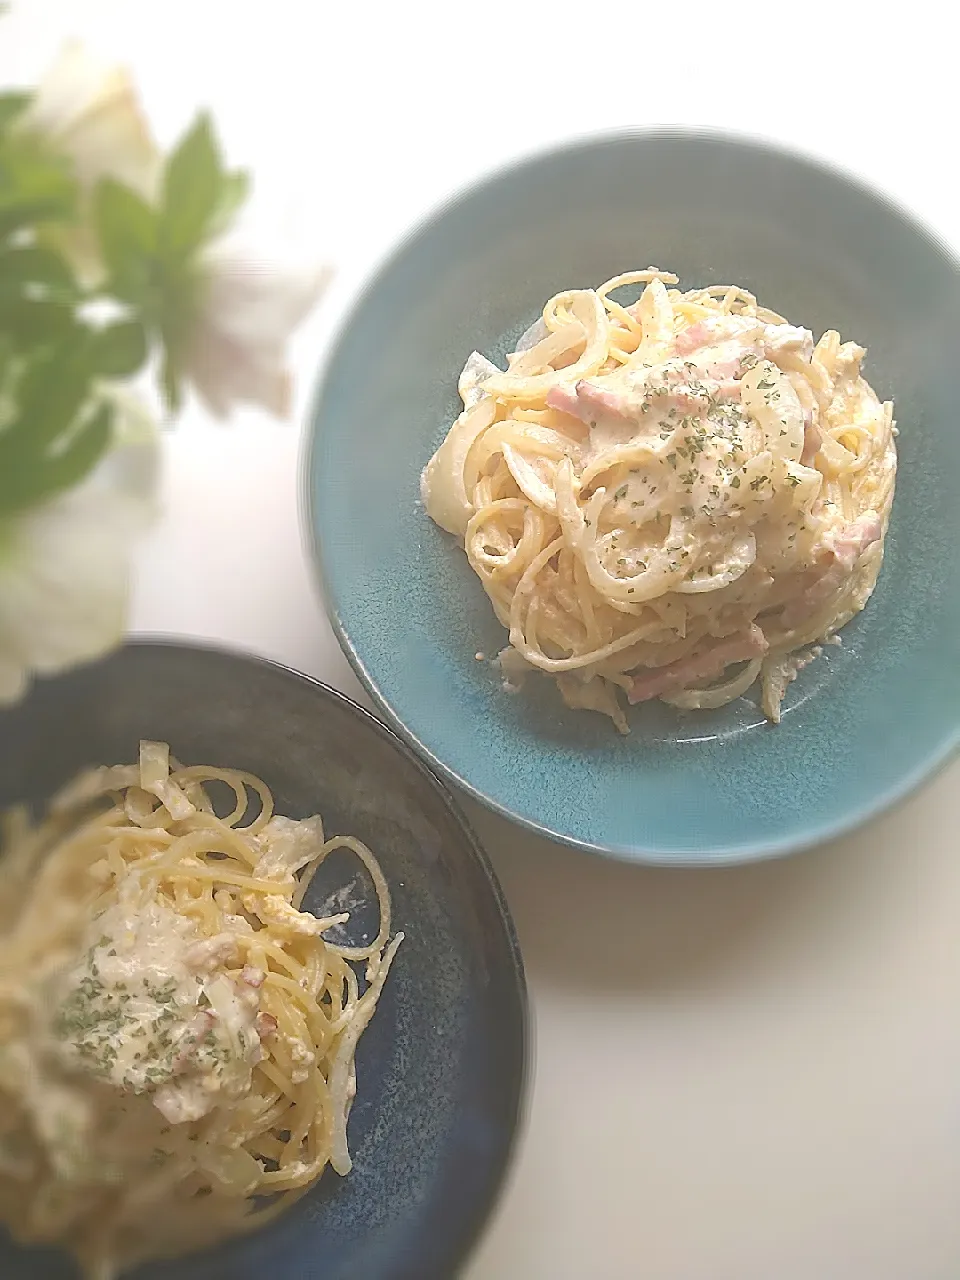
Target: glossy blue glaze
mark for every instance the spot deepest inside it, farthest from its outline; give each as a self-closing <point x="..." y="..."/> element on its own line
<point x="440" y="1069"/>
<point x="864" y="724"/>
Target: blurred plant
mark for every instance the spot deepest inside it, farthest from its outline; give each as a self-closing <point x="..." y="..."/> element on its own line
<point x="112" y="262"/>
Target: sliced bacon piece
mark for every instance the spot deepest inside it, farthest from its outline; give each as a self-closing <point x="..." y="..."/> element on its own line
<point x="266" y="1025"/>
<point x="842" y="550"/>
<point x="701" y="668"/>
<point x="850" y="544"/>
<point x="588" y="402"/>
<point x="565" y="399"/>
<point x="812" y="439"/>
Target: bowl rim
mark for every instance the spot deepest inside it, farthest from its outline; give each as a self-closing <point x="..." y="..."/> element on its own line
<point x="354" y="294"/>
<point x="313" y="687"/>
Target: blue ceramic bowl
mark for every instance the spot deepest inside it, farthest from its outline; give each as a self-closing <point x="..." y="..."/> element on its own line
<point x="440" y="1069"/>
<point x="866" y="723"/>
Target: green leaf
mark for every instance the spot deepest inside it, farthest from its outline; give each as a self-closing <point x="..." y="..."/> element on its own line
<point x="33" y="322"/>
<point x="35" y="265"/>
<point x="119" y="350"/>
<point x="49" y="396"/>
<point x="24" y="484"/>
<point x="12" y="105"/>
<point x="127" y="231"/>
<point x="35" y="185"/>
<point x="17" y="215"/>
<point x="53" y="384"/>
<point x="85" y="450"/>
<point x="176" y="317"/>
<point x="170" y="384"/>
<point x="234" y="189"/>
<point x="192" y="191"/>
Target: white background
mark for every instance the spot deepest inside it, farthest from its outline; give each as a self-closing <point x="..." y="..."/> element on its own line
<point x="747" y="1074"/>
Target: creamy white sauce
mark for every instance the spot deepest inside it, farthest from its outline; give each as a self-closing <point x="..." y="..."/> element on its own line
<point x="691" y="482"/>
<point x="140" y="1011"/>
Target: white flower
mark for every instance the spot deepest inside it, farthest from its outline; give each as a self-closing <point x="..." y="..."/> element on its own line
<point x="90" y="112"/>
<point x="64" y="564"/>
<point x="249" y="309"/>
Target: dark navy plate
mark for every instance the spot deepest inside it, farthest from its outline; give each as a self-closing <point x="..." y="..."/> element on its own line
<point x="441" y="1067"/>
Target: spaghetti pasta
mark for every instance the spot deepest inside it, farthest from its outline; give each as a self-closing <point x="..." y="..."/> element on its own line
<point x="673" y="499"/>
<point x="177" y="1035"/>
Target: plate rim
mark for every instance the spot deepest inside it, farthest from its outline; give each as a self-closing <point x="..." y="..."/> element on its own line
<point x="933" y="762"/>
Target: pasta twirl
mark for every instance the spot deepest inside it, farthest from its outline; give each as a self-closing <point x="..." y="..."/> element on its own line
<point x="671" y="500"/>
<point x="177" y="1036"/>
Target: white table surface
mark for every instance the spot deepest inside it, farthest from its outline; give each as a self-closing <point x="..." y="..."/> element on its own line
<point x="747" y="1074"/>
